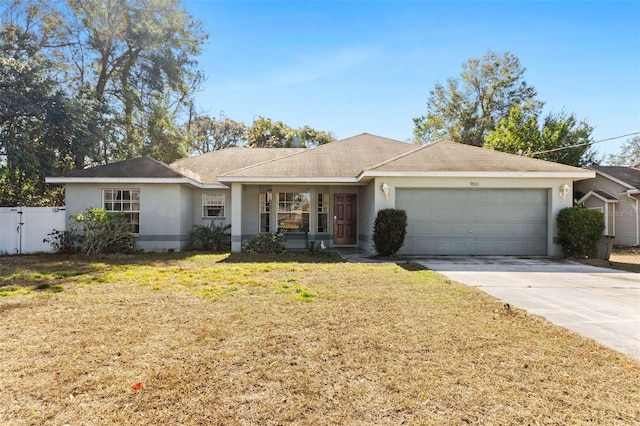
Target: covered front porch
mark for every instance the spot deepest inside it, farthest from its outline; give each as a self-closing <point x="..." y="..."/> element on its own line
<point x="320" y="215"/>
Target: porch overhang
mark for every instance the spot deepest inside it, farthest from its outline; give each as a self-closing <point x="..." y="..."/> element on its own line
<point x="288" y="180"/>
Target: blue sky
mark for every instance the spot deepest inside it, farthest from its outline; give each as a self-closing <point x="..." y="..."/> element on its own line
<point x="367" y="66"/>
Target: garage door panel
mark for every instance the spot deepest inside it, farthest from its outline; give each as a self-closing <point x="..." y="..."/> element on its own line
<point x="442" y="230"/>
<point x="425" y="245"/>
<point x="461" y="246"/>
<point x="535" y="214"/>
<point x="536" y="197"/>
<point x="422" y="229"/>
<point x="479" y="229"/>
<point x="443" y="213"/>
<point x="478" y="211"/>
<point x="477" y="197"/>
<point x="500" y="214"/>
<point x="526" y="229"/>
<point x="441" y="196"/>
<point x="531" y="213"/>
<point x="475" y="222"/>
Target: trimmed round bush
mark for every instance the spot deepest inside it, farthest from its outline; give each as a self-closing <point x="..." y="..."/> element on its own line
<point x="579" y="230"/>
<point x="389" y="230"/>
<point x="265" y="244"/>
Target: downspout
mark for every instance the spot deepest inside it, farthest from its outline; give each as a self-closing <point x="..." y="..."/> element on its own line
<point x="614" y="218"/>
<point x="630" y="194"/>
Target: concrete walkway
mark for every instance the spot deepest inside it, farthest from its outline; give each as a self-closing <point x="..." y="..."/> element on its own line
<point x="599" y="303"/>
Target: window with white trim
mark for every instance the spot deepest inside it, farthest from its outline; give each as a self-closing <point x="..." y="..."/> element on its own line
<point x="125" y="201"/>
<point x="293" y="211"/>
<point x="212" y="205"/>
<point x="323" y="213"/>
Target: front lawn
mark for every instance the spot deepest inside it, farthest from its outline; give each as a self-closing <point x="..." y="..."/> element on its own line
<point x="189" y="339"/>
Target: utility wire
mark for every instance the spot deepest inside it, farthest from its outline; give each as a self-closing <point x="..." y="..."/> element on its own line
<point x="583" y="144"/>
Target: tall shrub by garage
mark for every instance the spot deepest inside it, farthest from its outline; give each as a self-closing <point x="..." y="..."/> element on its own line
<point x="389" y="230"/>
<point x="579" y="230"/>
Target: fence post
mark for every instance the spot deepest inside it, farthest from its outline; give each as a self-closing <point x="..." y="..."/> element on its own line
<point x="20" y="223"/>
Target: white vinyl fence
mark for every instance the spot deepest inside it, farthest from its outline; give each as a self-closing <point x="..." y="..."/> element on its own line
<point x="22" y="229"/>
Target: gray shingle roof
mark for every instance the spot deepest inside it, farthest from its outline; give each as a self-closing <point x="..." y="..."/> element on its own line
<point x="343" y="158"/>
<point x="628" y="175"/>
<point x="207" y="167"/>
<point x="606" y="195"/>
<point x="444" y="156"/>
<point x="142" y="167"/>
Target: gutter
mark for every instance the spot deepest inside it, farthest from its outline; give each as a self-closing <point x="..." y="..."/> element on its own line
<point x="630" y="194"/>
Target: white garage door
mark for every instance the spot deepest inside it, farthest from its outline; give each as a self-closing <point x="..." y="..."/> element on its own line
<point x="475" y="221"/>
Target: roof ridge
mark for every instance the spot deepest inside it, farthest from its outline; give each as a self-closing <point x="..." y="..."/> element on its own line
<point x="397" y="157"/>
<point x="163" y="164"/>
<point x="301" y="151"/>
<point x="510" y="154"/>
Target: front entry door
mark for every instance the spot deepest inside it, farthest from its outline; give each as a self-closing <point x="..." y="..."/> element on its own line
<point x="345" y="219"/>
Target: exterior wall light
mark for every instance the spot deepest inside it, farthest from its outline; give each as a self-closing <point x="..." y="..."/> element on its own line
<point x="385" y="190"/>
<point x="564" y="190"/>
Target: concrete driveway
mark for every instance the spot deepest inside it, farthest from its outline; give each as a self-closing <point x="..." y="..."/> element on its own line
<point x="599" y="303"/>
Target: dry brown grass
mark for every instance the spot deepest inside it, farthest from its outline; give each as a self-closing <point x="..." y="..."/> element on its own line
<point x="216" y="340"/>
<point x="623" y="258"/>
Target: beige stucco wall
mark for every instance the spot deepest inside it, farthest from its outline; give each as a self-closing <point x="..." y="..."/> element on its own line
<point x="371" y="199"/>
<point x="165" y="211"/>
<point x="626" y="219"/>
<point x="370" y="195"/>
<point x="169" y="211"/>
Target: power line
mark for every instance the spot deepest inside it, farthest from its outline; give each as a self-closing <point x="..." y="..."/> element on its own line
<point x="584" y="144"/>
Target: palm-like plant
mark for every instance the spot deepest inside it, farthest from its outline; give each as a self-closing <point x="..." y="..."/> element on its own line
<point x="214" y="237"/>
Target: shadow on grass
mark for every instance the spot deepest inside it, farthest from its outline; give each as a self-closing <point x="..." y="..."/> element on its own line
<point x="49" y="272"/>
<point x="412" y="267"/>
<point x="296" y="257"/>
<point x="622" y="266"/>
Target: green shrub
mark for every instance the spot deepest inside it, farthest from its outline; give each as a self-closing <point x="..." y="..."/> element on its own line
<point x="579" y="230"/>
<point x="265" y="243"/>
<point x="103" y="232"/>
<point x="64" y="242"/>
<point x="389" y="230"/>
<point x="210" y="237"/>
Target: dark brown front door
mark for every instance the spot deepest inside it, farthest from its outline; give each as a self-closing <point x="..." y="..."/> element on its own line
<point x="345" y="219"/>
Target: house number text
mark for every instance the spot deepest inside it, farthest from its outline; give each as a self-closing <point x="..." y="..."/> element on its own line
<point x="474" y="184"/>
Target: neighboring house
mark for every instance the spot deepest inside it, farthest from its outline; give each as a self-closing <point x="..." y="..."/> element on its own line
<point x="614" y="191"/>
<point x="460" y="199"/>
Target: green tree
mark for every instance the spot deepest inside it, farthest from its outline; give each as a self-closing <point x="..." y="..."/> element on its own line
<point x="164" y="140"/>
<point x="628" y="155"/>
<point x="467" y="108"/>
<point x="210" y="134"/>
<point x="560" y="137"/>
<point x="308" y="137"/>
<point x="135" y="58"/>
<point x="139" y="60"/>
<point x="43" y="131"/>
<point x="265" y="133"/>
<point x="567" y="140"/>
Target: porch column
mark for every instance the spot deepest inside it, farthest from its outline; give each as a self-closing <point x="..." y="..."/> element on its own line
<point x="236" y="217"/>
